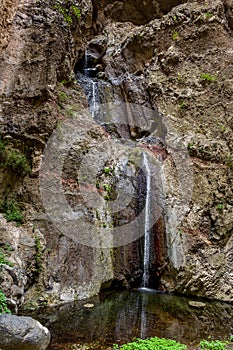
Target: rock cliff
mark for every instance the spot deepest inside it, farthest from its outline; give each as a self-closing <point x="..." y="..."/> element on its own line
<point x="175" y="58"/>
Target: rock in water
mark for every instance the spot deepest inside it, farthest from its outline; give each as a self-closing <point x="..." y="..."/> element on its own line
<point x="22" y="333"/>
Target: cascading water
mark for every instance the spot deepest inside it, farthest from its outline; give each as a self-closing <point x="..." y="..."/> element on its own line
<point x="99" y="92"/>
<point x="146" y="258"/>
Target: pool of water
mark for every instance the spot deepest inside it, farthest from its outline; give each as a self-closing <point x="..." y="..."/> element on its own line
<point x="123" y="316"/>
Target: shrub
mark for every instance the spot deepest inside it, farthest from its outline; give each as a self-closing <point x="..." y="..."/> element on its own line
<point x="212" y="345"/>
<point x="153" y="343"/>
<point x="12" y="211"/>
<point x="3" y="304"/>
<point x="68" y="10"/>
<point x="17" y="162"/>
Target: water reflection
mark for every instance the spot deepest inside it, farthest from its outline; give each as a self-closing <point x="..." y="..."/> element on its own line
<point x="123" y="316"/>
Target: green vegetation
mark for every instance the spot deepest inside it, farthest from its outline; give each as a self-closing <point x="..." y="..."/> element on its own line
<point x="208" y="77"/>
<point x="219" y="206"/>
<point x="68" y="9"/>
<point x="152" y="344"/>
<point x="62" y="96"/>
<point x="223" y="128"/>
<point x="208" y="15"/>
<point x="175" y="35"/>
<point x="12" y="211"/>
<point x="107" y="188"/>
<point x="3" y="304"/>
<point x="4" y="260"/>
<point x="38" y="256"/>
<point x="182" y="104"/>
<point x="13" y="159"/>
<point x="17" y="162"/>
<point x="108" y="170"/>
<point x="212" y="345"/>
<point x="166" y="344"/>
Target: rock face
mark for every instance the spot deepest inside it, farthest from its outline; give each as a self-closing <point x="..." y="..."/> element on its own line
<point x="22" y="333"/>
<point x="174" y="57"/>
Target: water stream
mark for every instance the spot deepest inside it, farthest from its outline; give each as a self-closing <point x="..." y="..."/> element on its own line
<point x="146" y="257"/>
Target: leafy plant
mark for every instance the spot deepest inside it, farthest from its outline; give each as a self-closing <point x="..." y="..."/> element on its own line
<point x="3" y="304"/>
<point x="208" y="77"/>
<point x="108" y="170"/>
<point x="152" y="343"/>
<point x="4" y="260"/>
<point x="17" y="162"/>
<point x="76" y="11"/>
<point x="175" y="35"/>
<point x="12" y="211"/>
<point x="68" y="10"/>
<point x="107" y="188"/>
<point x="212" y="345"/>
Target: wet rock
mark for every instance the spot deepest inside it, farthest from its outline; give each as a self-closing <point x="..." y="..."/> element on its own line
<point x="22" y="333"/>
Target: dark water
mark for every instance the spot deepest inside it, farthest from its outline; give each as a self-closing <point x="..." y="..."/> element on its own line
<point x="122" y="316"/>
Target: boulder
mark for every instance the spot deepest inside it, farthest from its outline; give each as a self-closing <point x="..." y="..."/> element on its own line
<point x="22" y="333"/>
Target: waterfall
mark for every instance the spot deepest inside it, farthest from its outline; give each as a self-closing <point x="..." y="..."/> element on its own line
<point x="101" y="92"/>
<point x="146" y="259"/>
